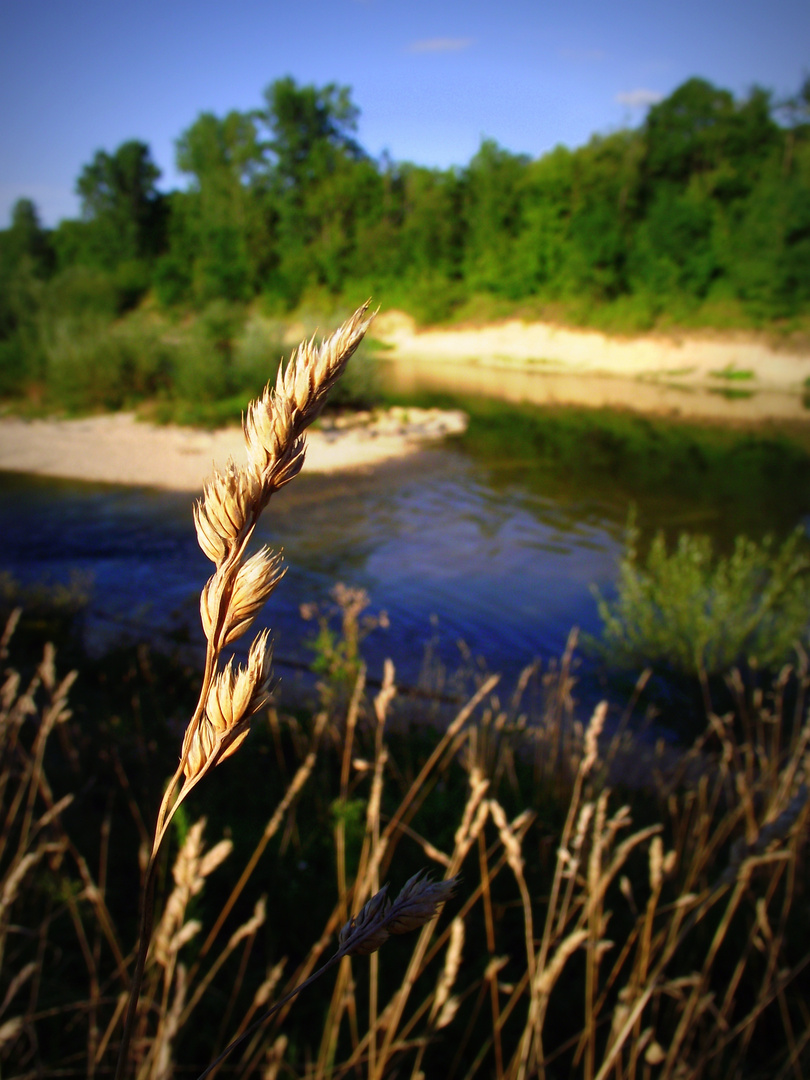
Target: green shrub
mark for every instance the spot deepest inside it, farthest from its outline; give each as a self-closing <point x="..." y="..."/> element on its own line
<point x="692" y="613"/>
<point x="94" y="365"/>
<point x="81" y="291"/>
<point x="131" y="280"/>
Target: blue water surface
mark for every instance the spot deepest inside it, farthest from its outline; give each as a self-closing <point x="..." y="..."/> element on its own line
<point x="458" y="561"/>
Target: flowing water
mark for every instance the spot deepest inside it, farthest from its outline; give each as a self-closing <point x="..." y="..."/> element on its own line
<point x="448" y="555"/>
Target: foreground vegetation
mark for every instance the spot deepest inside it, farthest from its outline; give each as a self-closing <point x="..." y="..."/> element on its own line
<point x="621" y="909"/>
<point x="697" y="218"/>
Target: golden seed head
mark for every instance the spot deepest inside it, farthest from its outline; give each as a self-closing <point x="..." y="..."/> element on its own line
<point x="225" y="518"/>
<point x="225" y="510"/>
<point x="235" y="696"/>
<point x="254" y="582"/>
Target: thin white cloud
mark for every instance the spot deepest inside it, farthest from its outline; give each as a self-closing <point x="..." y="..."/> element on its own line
<point x="638" y="99"/>
<point x="440" y="45"/>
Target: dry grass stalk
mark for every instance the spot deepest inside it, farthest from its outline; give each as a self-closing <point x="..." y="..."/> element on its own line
<point x="225" y="519"/>
<point x="417" y="904"/>
<point x="294" y="789"/>
<point x="33" y="837"/>
<point x="643" y="1011"/>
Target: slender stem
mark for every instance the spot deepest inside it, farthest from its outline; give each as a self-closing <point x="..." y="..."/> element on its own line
<point x="144" y="937"/>
<point x="273" y="1008"/>
<point x="166" y="812"/>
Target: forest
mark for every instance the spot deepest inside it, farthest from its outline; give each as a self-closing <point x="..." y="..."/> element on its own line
<point x="698" y="217"/>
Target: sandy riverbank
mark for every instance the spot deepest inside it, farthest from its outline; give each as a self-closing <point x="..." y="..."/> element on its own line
<point x="118" y="449"/>
<point x="690" y="360"/>
<point x="738" y="379"/>
<point x="731" y="378"/>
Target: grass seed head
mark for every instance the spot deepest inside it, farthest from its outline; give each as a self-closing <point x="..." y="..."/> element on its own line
<point x="235" y="696"/>
<point x="419" y="901"/>
<point x="255" y="581"/>
<point x="273" y="427"/>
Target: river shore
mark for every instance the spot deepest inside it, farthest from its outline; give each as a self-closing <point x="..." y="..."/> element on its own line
<point x="119" y="449"/>
<point x="710" y="359"/>
<point x="730" y="378"/>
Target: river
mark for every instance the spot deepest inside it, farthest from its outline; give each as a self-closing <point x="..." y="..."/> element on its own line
<point x="473" y="562"/>
<point x="457" y="563"/>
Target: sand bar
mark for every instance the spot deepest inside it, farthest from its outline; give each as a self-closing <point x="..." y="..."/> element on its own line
<point x="693" y="360"/>
<point x="730" y="378"/>
<point x="119" y="449"/>
<point x="686" y="376"/>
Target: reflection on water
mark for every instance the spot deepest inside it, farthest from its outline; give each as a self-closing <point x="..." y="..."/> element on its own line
<point x="541" y="384"/>
<point x="433" y="540"/>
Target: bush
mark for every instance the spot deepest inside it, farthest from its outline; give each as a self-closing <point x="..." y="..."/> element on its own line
<point x="691" y="613"/>
<point x="81" y="291"/>
<point x="92" y="365"/>
<point x="205" y="362"/>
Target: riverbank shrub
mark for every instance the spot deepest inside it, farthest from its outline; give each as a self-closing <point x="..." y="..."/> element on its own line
<point x="687" y="610"/>
<point x="199" y="370"/>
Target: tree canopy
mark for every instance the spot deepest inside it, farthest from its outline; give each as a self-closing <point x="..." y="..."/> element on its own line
<point x="704" y="207"/>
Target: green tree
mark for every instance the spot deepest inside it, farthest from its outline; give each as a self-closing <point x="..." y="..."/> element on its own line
<point x="673" y="247"/>
<point x="429" y="252"/>
<point x="542" y="244"/>
<point x="683" y="133"/>
<point x="311" y="130"/>
<point x="26" y="259"/>
<point x="26" y="239"/>
<point x="700" y="129"/>
<point x="120" y="199"/>
<point x="318" y="182"/>
<point x="602" y="214"/>
<point x="493" y="188"/>
<point x="222" y="235"/>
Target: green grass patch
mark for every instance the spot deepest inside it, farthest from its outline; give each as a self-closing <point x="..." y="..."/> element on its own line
<point x="733" y="374"/>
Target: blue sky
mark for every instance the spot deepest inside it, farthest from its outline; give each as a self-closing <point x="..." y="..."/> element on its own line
<point x="431" y="77"/>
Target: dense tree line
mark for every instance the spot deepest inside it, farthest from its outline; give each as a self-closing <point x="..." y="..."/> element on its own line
<point x="703" y="212"/>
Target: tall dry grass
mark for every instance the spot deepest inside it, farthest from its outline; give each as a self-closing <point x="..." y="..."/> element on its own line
<point x="599" y="930"/>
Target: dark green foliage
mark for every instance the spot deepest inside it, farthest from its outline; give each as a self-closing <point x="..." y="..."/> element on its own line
<point x="701" y="216"/>
<point x="217" y="224"/>
<point x="26" y="244"/>
<point x="121" y="203"/>
<point x="310" y="129"/>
